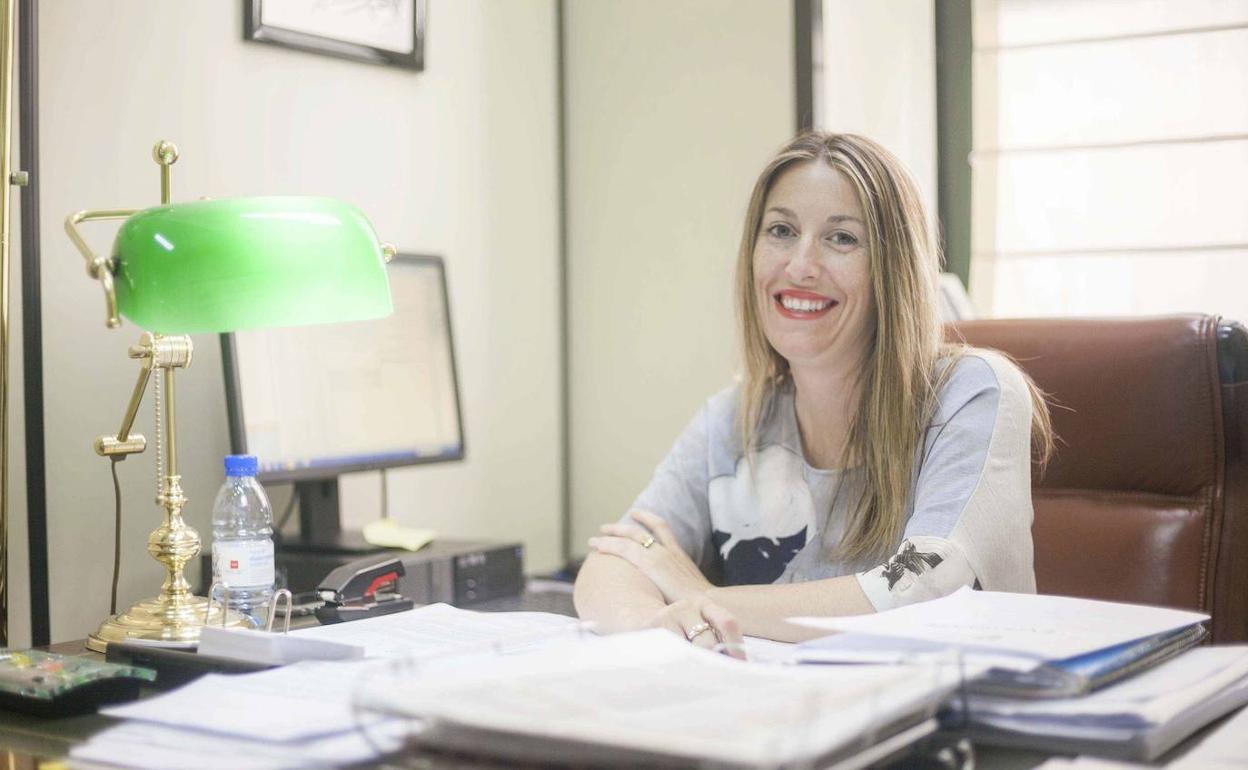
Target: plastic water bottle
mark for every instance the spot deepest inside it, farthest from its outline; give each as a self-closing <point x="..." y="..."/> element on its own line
<point x="242" y="539"/>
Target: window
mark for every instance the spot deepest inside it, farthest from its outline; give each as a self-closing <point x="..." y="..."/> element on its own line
<point x="1110" y="161"/>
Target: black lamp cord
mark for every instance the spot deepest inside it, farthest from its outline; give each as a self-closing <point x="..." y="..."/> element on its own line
<point x="290" y="508"/>
<point x="116" y="534"/>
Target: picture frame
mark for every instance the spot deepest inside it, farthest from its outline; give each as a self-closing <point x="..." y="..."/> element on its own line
<point x="386" y="32"/>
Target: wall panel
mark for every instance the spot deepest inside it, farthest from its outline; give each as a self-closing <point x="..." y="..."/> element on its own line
<point x="671" y="110"/>
<point x="459" y="160"/>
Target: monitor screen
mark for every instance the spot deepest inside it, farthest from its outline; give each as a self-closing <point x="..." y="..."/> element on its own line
<point x="312" y="402"/>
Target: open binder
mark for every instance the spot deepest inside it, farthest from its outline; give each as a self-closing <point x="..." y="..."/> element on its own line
<point x="1019" y="645"/>
<point x="649" y="699"/>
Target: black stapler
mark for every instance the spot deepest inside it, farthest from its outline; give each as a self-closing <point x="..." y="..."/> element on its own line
<point x="364" y="588"/>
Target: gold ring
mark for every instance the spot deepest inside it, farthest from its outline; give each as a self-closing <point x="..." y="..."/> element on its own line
<point x="649" y="541"/>
<point x="700" y="628"/>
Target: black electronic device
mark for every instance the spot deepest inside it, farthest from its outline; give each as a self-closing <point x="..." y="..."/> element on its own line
<point x="82" y="699"/>
<point x="365" y="588"/>
<point x="314" y="402"/>
<point x="457" y="572"/>
<point x="48" y="684"/>
<point x="174" y="667"/>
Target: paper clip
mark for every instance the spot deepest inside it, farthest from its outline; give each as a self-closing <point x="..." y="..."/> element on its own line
<point x="283" y="593"/>
<point x="290" y="609"/>
<point x="225" y="602"/>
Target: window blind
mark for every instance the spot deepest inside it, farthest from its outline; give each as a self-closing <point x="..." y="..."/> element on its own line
<point x="1110" y="160"/>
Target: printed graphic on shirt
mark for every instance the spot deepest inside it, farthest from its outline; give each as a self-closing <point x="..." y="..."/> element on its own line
<point x="908" y="559"/>
<point x="923" y="568"/>
<point x="761" y="518"/>
<point x="760" y="560"/>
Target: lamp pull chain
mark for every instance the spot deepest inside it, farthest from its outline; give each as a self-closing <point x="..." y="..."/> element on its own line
<point x="160" y="451"/>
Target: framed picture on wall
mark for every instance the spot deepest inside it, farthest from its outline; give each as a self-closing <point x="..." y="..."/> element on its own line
<point x="390" y="32"/>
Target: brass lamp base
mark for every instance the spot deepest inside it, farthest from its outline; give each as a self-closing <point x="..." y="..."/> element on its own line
<point x="155" y="620"/>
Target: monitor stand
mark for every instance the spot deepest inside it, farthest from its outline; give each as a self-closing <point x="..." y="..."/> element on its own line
<point x="320" y="526"/>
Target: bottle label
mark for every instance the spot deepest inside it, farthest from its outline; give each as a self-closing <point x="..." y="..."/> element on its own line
<point x="243" y="563"/>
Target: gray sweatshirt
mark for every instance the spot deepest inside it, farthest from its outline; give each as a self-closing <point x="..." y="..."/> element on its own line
<point x="968" y="520"/>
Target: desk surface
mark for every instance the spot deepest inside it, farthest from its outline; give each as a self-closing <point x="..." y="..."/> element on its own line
<point x="25" y="739"/>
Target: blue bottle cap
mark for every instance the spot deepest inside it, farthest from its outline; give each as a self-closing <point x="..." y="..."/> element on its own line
<point x="240" y="465"/>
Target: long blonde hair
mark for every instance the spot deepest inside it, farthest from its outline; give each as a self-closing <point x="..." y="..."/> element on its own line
<point x="899" y="384"/>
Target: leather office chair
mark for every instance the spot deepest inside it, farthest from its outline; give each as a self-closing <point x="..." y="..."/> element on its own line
<point x="1146" y="498"/>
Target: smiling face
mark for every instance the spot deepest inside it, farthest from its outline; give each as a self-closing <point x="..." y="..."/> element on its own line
<point x="812" y="269"/>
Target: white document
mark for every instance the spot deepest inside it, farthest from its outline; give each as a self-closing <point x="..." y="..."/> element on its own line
<point x="1028" y="625"/>
<point x="260" y="705"/>
<point x="273" y="649"/>
<point x="1149" y="698"/>
<point x="158" y="747"/>
<point x="854" y="647"/>
<point x="1139" y="718"/>
<point x="1226" y="746"/>
<point x="438" y="628"/>
<point x="652" y="694"/>
<point x="297" y="702"/>
<point x="1088" y="763"/>
<point x="1145" y="743"/>
<point x="759" y="650"/>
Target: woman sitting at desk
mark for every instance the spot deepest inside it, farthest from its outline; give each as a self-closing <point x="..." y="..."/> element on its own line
<point x="884" y="467"/>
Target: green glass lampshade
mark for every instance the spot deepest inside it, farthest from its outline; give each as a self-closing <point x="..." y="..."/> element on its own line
<point x="243" y="263"/>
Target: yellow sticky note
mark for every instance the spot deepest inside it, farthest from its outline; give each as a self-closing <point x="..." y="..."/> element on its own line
<point x="389" y="533"/>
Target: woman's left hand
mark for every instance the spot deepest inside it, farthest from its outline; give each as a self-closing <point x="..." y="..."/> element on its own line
<point x="653" y="549"/>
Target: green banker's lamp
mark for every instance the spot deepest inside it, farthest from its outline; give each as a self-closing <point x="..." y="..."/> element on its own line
<point x="216" y="266"/>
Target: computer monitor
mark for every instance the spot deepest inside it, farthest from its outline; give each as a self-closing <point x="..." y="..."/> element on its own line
<point x="314" y="402"/>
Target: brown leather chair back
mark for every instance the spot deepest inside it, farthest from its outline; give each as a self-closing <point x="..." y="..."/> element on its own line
<point x="1146" y="499"/>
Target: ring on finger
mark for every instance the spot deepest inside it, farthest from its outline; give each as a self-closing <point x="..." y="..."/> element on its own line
<point x="700" y="628"/>
<point x="647" y="541"/>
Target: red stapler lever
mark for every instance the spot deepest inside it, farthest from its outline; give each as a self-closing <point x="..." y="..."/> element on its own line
<point x="364" y="588"/>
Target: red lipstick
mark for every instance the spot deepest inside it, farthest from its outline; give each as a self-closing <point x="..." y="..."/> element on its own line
<point x="805" y="305"/>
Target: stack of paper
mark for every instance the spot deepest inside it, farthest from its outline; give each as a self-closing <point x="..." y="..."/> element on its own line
<point x="1139" y="718"/>
<point x="649" y="697"/>
<point x="1225" y="748"/>
<point x="303" y="715"/>
<point x="1089" y="763"/>
<point x="428" y="630"/>
<point x="436" y="628"/>
<point x="1025" y="654"/>
<point x="298" y="716"/>
<point x="1026" y="645"/>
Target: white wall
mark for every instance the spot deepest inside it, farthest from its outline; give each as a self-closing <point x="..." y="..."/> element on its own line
<point x="460" y="160"/>
<point x="879" y="79"/>
<point x="672" y="109"/>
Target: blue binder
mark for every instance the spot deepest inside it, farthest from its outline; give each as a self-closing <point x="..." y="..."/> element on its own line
<point x="1082" y="674"/>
